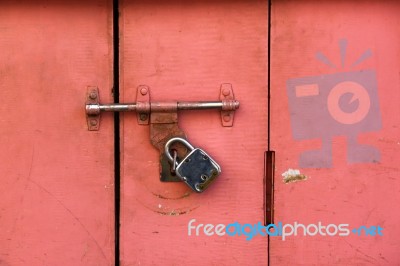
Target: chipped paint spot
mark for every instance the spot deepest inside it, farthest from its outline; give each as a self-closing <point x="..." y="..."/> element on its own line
<point x="293" y="175"/>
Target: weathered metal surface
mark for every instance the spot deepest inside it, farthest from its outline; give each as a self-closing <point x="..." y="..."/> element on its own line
<point x="227" y="97"/>
<point x="182" y="51"/>
<point x="56" y="178"/>
<point x="335" y="129"/>
<point x="197" y="169"/>
<point x="143" y="107"/>
<point x="93" y="108"/>
<point x="163" y="117"/>
<point x="93" y="114"/>
<point x="164" y="126"/>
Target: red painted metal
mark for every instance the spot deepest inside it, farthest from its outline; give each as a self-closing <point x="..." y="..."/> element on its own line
<point x="336" y="42"/>
<point x="56" y="189"/>
<point x="184" y="51"/>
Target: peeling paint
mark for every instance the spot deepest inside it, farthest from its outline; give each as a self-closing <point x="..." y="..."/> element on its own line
<point x="293" y="175"/>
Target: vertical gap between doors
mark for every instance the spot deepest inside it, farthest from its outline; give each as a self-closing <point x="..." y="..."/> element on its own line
<point x="269" y="73"/>
<point x="117" y="161"/>
<point x="269" y="102"/>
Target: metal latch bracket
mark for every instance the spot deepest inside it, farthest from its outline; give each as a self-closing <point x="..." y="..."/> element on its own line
<point x="162" y="117"/>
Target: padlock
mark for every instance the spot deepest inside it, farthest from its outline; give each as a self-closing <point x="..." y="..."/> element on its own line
<point x="198" y="170"/>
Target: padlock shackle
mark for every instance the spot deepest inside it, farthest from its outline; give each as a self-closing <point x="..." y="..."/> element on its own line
<point x="176" y="139"/>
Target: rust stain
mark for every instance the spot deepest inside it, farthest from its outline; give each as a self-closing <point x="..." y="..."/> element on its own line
<point x="187" y="194"/>
<point x="293" y="175"/>
<point x="176" y="212"/>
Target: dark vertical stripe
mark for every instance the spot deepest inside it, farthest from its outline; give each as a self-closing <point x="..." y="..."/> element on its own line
<point x="117" y="161"/>
<point x="269" y="74"/>
<point x="267" y="195"/>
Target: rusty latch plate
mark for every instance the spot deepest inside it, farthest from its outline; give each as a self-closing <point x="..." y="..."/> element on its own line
<point x="92" y="97"/>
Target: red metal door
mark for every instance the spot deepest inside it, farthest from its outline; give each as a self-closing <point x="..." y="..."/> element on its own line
<point x="335" y="78"/>
<point x="56" y="189"/>
<point x="184" y="51"/>
<point x="335" y="119"/>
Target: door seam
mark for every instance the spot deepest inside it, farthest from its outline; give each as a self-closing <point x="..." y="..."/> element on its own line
<point x="269" y="114"/>
<point x="117" y="150"/>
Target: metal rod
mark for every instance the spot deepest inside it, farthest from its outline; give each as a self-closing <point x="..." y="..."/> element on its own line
<point x="199" y="105"/>
<point x="95" y="109"/>
<point x="117" y="107"/>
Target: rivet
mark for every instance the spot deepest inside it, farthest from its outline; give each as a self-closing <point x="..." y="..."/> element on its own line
<point x="143" y="117"/>
<point x="93" y="95"/>
<point x="93" y="122"/>
<point x="227" y="118"/>
<point x="226" y="92"/>
<point x="143" y="91"/>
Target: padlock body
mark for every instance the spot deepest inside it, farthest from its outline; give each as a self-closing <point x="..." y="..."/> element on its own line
<point x="198" y="170"/>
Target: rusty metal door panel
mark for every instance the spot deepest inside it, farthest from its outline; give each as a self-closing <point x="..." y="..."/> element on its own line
<point x="335" y="118"/>
<point x="56" y="187"/>
<point x="184" y="51"/>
